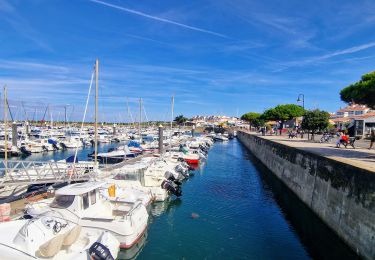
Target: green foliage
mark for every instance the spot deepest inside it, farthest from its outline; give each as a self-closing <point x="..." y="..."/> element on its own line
<point x="283" y="112"/>
<point x="315" y="120"/>
<point x="253" y="118"/>
<point x="250" y="116"/>
<point x="180" y="119"/>
<point x="361" y="92"/>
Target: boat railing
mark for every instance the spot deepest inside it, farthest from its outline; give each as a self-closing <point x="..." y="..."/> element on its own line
<point x="35" y="172"/>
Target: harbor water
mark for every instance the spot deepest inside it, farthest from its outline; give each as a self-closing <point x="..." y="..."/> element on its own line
<point x="233" y="208"/>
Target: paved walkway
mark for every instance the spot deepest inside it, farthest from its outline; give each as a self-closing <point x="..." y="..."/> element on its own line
<point x="360" y="157"/>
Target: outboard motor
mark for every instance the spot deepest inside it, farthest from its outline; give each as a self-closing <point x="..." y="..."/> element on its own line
<point x="63" y="146"/>
<point x="44" y="148"/>
<point x="25" y="151"/>
<point x="55" y="147"/>
<point x="170" y="176"/>
<point x="172" y="187"/>
<point x="99" y="251"/>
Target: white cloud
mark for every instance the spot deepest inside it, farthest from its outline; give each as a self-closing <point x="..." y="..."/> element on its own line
<point x="160" y="19"/>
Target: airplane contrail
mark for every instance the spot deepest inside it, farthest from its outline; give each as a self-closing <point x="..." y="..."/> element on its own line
<point x="159" y="19"/>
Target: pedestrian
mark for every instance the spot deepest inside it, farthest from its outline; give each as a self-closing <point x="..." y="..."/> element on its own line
<point x="339" y="134"/>
<point x="372" y="138"/>
<point x="263" y="131"/>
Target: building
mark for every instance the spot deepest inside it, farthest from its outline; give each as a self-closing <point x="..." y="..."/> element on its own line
<point x="343" y="117"/>
<point x="361" y="116"/>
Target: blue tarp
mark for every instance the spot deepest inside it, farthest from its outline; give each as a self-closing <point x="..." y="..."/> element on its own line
<point x="71" y="159"/>
<point x="50" y="141"/>
<point x="133" y="144"/>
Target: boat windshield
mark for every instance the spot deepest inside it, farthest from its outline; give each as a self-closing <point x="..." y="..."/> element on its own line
<point x="62" y="201"/>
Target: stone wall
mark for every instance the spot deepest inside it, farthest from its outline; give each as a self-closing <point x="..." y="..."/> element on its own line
<point x="342" y="195"/>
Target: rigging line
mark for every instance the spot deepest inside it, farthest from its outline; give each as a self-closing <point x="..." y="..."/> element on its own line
<point x="144" y="110"/>
<point x="24" y="110"/>
<point x="10" y="112"/>
<point x="84" y="118"/>
<point x="45" y="112"/>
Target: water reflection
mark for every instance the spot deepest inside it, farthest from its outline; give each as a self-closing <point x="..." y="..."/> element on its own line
<point x="133" y="252"/>
<point x="318" y="239"/>
<point x="166" y="206"/>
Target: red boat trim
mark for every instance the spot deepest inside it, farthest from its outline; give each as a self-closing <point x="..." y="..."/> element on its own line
<point x="192" y="161"/>
<point x="125" y="246"/>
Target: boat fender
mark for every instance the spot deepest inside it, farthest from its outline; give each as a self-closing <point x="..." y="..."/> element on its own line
<point x="99" y="251"/>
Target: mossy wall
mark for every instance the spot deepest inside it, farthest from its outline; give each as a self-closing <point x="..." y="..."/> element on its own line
<point x="342" y="195"/>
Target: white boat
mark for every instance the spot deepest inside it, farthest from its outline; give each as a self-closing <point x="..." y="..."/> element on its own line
<point x="151" y="175"/>
<point x="82" y="203"/>
<point x="52" y="237"/>
<point x="221" y="138"/>
<point x="117" y="155"/>
<point x="71" y="143"/>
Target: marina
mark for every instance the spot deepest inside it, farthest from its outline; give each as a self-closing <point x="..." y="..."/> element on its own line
<point x="187" y="130"/>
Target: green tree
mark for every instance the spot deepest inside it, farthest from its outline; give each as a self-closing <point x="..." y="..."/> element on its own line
<point x="252" y="118"/>
<point x="315" y="120"/>
<point x="180" y="119"/>
<point x="361" y="92"/>
<point x="283" y="113"/>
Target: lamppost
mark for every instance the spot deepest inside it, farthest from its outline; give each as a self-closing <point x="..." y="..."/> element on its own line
<point x="303" y="100"/>
<point x="303" y="106"/>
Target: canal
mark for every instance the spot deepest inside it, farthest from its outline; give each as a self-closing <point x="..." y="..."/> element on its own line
<point x="234" y="208"/>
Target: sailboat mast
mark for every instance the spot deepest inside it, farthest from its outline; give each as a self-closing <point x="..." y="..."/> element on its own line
<point x="96" y="109"/>
<point x="5" y="130"/>
<point x="172" y="112"/>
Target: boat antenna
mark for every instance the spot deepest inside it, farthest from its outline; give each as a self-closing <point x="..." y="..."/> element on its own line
<point x="96" y="110"/>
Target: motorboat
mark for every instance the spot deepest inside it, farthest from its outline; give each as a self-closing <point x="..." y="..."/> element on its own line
<point x="116" y="155"/>
<point x="221" y="138"/>
<point x="83" y="204"/>
<point x="53" y="237"/>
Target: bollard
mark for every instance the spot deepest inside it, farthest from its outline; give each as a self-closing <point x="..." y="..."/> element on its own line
<point x="27" y="129"/>
<point x="114" y="129"/>
<point x="160" y="139"/>
<point x="14" y="135"/>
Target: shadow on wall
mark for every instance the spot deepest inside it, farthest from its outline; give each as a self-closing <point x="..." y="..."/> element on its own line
<point x="318" y="239"/>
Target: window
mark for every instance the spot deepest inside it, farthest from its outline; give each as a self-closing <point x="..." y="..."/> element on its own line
<point x="358" y="112"/>
<point x="62" y="201"/>
<point x="85" y="200"/>
<point x="93" y="197"/>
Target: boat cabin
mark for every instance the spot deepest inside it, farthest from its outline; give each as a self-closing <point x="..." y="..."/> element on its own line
<point x="77" y="197"/>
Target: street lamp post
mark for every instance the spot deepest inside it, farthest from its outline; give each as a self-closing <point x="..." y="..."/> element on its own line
<point x="303" y="106"/>
<point x="303" y="100"/>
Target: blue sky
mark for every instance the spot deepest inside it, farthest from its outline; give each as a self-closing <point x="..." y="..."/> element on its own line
<point x="216" y="57"/>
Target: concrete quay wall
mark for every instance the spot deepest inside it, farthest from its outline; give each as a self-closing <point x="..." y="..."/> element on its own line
<point x="342" y="195"/>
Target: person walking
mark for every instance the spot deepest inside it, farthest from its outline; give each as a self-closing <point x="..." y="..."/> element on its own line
<point x="372" y="138"/>
<point x="339" y="134"/>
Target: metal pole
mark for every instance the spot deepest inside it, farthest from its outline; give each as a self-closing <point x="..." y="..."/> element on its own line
<point x="140" y="119"/>
<point x="96" y="110"/>
<point x="160" y="139"/>
<point x="5" y="131"/>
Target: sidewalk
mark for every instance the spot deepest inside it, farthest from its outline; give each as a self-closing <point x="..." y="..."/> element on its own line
<point x="360" y="157"/>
